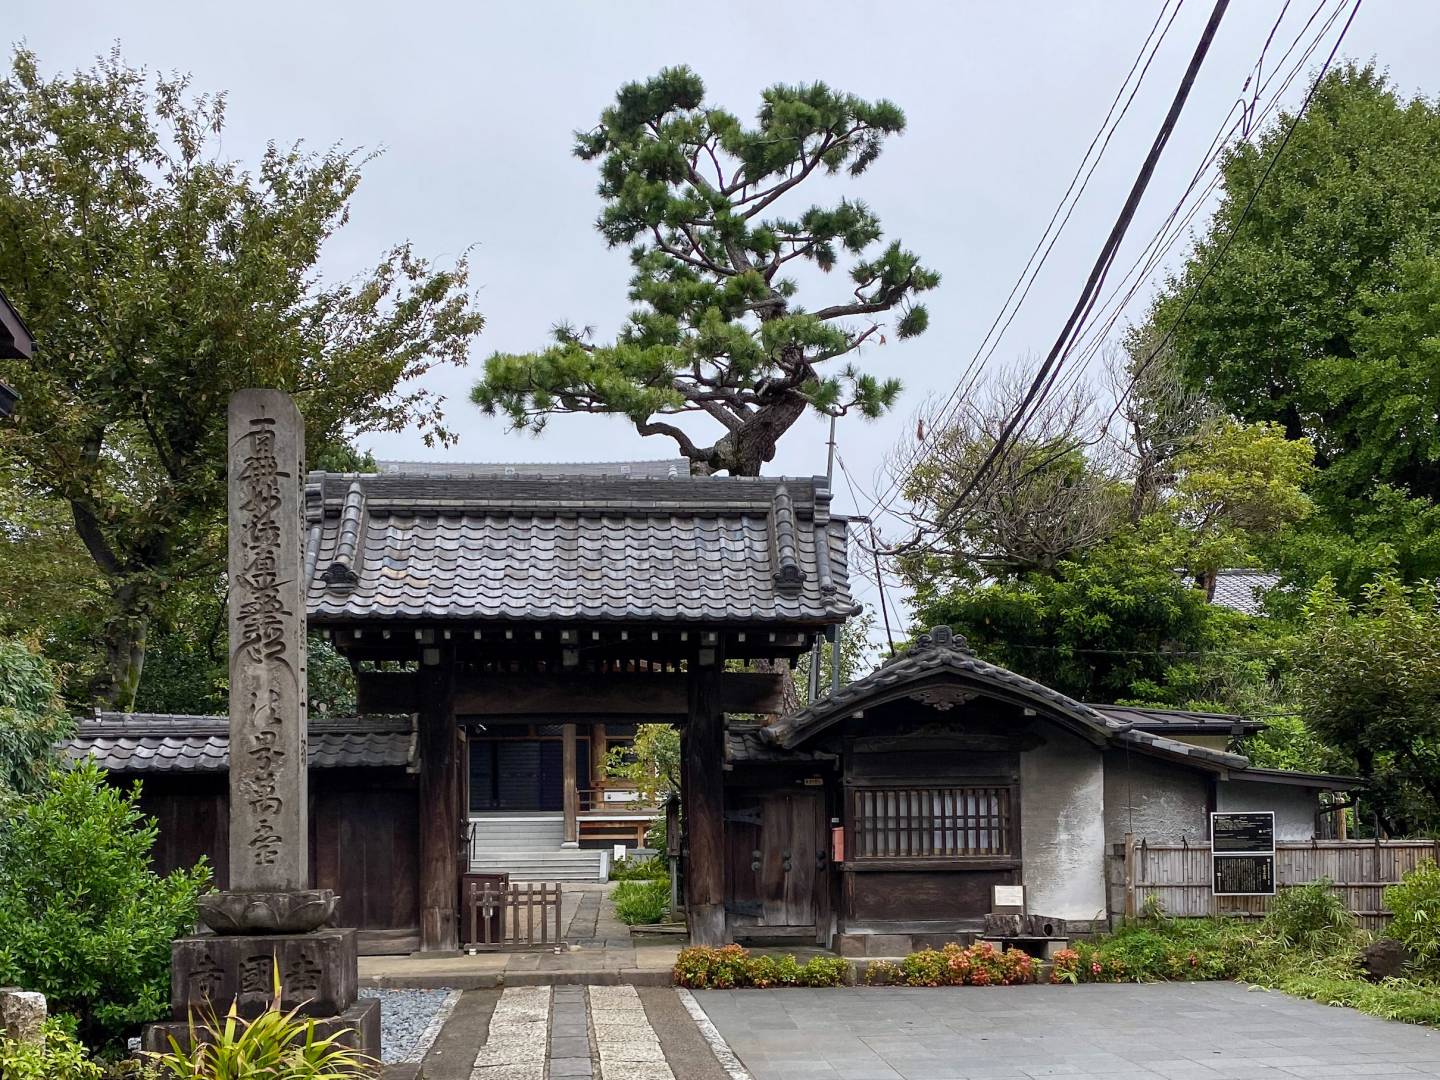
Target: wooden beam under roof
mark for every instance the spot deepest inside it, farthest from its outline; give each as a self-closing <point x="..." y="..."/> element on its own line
<point x="654" y="697"/>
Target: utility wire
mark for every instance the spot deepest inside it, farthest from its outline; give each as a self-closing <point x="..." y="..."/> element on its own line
<point x="1089" y="294"/>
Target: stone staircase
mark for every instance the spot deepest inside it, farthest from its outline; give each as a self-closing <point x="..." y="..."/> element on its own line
<point x="528" y="848"/>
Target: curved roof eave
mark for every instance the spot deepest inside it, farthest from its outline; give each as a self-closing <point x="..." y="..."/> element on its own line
<point x="940" y="654"/>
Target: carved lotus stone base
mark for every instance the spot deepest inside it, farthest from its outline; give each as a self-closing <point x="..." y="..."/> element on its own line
<point x="317" y="972"/>
<point x="359" y="1028"/>
<point x="295" y="912"/>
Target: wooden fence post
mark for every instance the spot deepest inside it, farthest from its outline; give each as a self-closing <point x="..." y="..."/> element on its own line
<point x="1130" y="876"/>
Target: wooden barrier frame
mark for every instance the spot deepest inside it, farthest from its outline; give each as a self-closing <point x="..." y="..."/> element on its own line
<point x="1179" y="875"/>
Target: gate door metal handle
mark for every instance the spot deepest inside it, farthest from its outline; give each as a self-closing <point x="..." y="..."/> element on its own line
<point x="755" y="860"/>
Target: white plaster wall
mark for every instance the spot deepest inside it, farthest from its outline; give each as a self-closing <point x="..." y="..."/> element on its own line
<point x="1294" y="806"/>
<point x="1158" y="801"/>
<point x="1062" y="827"/>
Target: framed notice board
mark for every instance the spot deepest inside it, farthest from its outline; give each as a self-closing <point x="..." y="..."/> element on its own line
<point x="1242" y="847"/>
<point x="1247" y="833"/>
<point x="1244" y="875"/>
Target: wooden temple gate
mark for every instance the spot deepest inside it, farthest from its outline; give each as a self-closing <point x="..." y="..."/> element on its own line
<point x="478" y="677"/>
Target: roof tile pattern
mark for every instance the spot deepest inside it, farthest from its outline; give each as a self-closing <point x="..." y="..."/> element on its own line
<point x="699" y="549"/>
<point x="941" y="653"/>
<point x="155" y="743"/>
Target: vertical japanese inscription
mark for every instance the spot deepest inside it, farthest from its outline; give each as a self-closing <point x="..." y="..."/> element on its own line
<point x="268" y="828"/>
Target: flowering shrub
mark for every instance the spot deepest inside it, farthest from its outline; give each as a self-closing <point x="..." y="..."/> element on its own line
<point x="731" y="967"/>
<point x="980" y="964"/>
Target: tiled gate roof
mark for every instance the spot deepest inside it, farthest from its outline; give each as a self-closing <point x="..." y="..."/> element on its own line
<point x="421" y="547"/>
<point x="154" y="742"/>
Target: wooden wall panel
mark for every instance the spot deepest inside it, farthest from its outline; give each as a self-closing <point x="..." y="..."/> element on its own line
<point x="920" y="896"/>
<point x="193" y="816"/>
<point x="365" y="846"/>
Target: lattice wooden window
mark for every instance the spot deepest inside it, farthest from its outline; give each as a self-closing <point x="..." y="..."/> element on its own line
<point x="925" y="823"/>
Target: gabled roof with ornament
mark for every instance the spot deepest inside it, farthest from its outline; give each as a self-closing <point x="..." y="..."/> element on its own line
<point x="940" y="671"/>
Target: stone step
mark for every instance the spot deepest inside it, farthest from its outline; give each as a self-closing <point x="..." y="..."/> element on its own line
<point x="561" y="864"/>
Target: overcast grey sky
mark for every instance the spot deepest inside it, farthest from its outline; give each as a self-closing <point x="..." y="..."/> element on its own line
<point x="475" y="103"/>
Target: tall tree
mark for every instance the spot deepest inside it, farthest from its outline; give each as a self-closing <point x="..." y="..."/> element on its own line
<point x="1368" y="680"/>
<point x="717" y="329"/>
<point x="160" y="276"/>
<point x="1324" y="313"/>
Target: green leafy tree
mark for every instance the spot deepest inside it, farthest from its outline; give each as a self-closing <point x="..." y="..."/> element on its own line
<point x="1368" y="681"/>
<point x="32" y="720"/>
<point x="1111" y="612"/>
<point x="651" y="762"/>
<point x="718" y="329"/>
<point x="1324" y="314"/>
<point x="83" y="917"/>
<point x="159" y="277"/>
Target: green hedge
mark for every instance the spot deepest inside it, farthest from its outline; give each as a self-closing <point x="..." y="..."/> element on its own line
<point x="731" y="967"/>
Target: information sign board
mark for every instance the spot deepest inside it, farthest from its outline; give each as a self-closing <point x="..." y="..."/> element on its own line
<point x="1243" y="833"/>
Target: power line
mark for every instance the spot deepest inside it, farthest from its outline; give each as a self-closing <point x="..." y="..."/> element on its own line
<point x="1050" y="368"/>
<point x="965" y="383"/>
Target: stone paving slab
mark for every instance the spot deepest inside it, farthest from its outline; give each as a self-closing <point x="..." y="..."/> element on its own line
<point x="1177" y="1031"/>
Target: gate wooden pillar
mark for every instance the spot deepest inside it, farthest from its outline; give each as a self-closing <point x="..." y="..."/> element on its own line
<point x="571" y="793"/>
<point x="441" y="834"/>
<point x="704" y="795"/>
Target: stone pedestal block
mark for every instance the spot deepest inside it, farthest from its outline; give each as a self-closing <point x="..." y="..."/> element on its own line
<point x="360" y="1025"/>
<point x="22" y="1014"/>
<point x="317" y="972"/>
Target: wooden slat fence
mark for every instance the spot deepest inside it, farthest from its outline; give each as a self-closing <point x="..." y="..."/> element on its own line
<point x="515" y="916"/>
<point x="1179" y="875"/>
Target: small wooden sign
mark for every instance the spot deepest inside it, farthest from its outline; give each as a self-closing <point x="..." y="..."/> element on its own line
<point x="1008" y="899"/>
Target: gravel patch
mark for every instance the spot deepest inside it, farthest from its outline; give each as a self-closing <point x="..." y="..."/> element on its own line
<point x="410" y="1020"/>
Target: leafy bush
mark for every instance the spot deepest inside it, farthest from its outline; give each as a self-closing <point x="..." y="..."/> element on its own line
<point x="641" y="902"/>
<point x="1172" y="950"/>
<point x="32" y="719"/>
<point x="83" y="917"/>
<point x="731" y="967"/>
<point x="1416" y="904"/>
<point x="1309" y="917"/>
<point x="57" y="1056"/>
<point x="633" y="869"/>
<point x="275" y="1045"/>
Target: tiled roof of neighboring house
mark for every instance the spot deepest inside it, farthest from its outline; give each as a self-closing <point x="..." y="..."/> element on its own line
<point x="154" y="742"/>
<point x="16" y="341"/>
<point x="743" y="742"/>
<point x="1180" y="721"/>
<point x="941" y="656"/>
<point x="736" y="550"/>
<point x="1243" y="590"/>
<point x="661" y="469"/>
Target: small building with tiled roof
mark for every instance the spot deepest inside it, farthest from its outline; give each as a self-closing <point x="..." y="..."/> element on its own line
<point x="942" y="777"/>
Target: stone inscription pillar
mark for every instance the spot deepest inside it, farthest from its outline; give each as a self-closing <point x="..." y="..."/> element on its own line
<point x="269" y="842"/>
<point x="269" y="924"/>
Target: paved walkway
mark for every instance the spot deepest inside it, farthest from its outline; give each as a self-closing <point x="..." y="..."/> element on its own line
<point x="1169" y="1031"/>
<point x="1205" y="1031"/>
<point x="599" y="949"/>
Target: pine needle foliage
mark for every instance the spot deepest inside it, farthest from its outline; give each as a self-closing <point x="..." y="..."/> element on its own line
<point x="718" y="329"/>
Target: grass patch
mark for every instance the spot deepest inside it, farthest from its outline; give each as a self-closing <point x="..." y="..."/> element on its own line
<point x="641" y="903"/>
<point x="639" y="870"/>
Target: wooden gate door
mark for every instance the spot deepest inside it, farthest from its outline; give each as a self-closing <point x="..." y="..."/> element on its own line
<point x="775" y="859"/>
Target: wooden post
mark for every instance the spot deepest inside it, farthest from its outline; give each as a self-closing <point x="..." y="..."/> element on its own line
<point x="705" y="806"/>
<point x="1130" y="876"/>
<point x="572" y="794"/>
<point x="439" y="796"/>
<point x="599" y="748"/>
